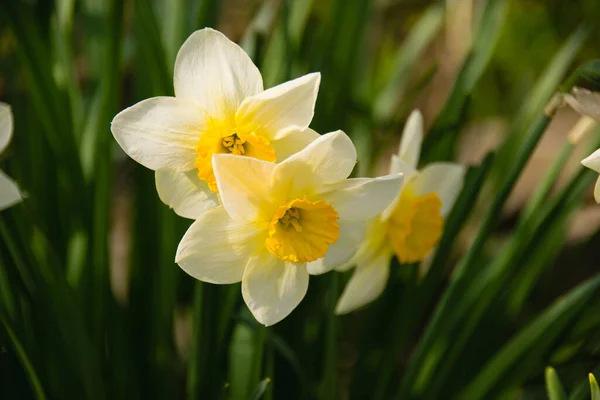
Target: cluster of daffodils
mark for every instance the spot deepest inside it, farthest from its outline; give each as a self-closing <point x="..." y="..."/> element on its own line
<point x="9" y="191"/>
<point x="270" y="198"/>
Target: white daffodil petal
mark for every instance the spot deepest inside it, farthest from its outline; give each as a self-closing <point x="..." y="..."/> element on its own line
<point x="272" y="288"/>
<point x="293" y="142"/>
<point x="340" y="252"/>
<point x="160" y="132"/>
<point x="397" y="166"/>
<point x="445" y="179"/>
<point x="215" y="73"/>
<point x="215" y="248"/>
<point x="366" y="284"/>
<point x="245" y="186"/>
<point x="185" y="193"/>
<point x="328" y="159"/>
<point x="271" y="113"/>
<point x="597" y="191"/>
<point x="6" y="125"/>
<point x="363" y="198"/>
<point x="412" y="138"/>
<point x="9" y="192"/>
<point x="592" y="161"/>
<point x="585" y="102"/>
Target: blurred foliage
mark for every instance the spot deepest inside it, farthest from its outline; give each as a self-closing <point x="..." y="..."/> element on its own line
<point x="93" y="306"/>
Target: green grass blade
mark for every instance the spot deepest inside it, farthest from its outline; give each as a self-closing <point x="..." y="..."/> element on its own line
<point x="526" y="339"/>
<point x="438" y="145"/>
<point x="554" y="388"/>
<point x="595" y="390"/>
<point x="438" y="324"/>
<point x="406" y="57"/>
<point x="32" y="375"/>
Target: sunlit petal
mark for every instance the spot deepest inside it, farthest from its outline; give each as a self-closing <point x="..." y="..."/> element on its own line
<point x="271" y="113"/>
<point x="6" y="125"/>
<point x="412" y="137"/>
<point x="160" y="132"/>
<point x="245" y="186"/>
<point x="185" y="193"/>
<point x="9" y="192"/>
<point x="272" y="288"/>
<point x="366" y="284"/>
<point x="215" y="73"/>
<point x="445" y="179"/>
<point x="340" y="252"/>
<point x="216" y="248"/>
<point x="363" y="198"/>
<point x="293" y="142"/>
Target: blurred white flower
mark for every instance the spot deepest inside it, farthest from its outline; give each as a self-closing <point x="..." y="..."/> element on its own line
<point x="278" y="223"/>
<point x="9" y="191"/>
<point x="410" y="227"/>
<point x="593" y="162"/>
<point x="585" y="102"/>
<point x="219" y="107"/>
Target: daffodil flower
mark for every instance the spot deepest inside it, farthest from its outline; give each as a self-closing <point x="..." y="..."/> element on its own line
<point x="280" y="222"/>
<point x="593" y="162"/>
<point x="9" y="191"/>
<point x="585" y="102"/>
<point x="410" y="227"/>
<point x="219" y="107"/>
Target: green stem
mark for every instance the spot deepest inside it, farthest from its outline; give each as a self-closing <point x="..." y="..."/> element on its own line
<point x="32" y="376"/>
<point x="331" y="341"/>
<point x="257" y="359"/>
<point x="194" y="372"/>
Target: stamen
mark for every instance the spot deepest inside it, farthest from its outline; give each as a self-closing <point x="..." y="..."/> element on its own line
<point x="291" y="217"/>
<point x="234" y="144"/>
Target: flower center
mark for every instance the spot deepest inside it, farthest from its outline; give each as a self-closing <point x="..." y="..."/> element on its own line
<point x="234" y="144"/>
<point x="218" y="138"/>
<point x="415" y="226"/>
<point x="302" y="230"/>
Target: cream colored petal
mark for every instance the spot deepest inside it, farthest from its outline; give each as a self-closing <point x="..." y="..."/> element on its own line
<point x="185" y="193"/>
<point x="412" y="138"/>
<point x="340" y="252"/>
<point x="374" y="242"/>
<point x="9" y="192"/>
<point x="216" y="73"/>
<point x="6" y="126"/>
<point x="593" y="161"/>
<point x="245" y="187"/>
<point x="366" y="284"/>
<point x="597" y="191"/>
<point x="397" y="166"/>
<point x="272" y="112"/>
<point x="160" y="133"/>
<point x="273" y="288"/>
<point x="216" y="248"/>
<point x="585" y="102"/>
<point x="445" y="179"/>
<point x="328" y="159"/>
<point x="294" y="141"/>
<point x="363" y="198"/>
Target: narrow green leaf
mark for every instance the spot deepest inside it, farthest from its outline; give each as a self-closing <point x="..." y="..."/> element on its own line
<point x="440" y="142"/>
<point x="32" y="375"/>
<point x="443" y="320"/>
<point x="526" y="339"/>
<point x="408" y="53"/>
<point x="594" y="389"/>
<point x="554" y="388"/>
<point x="260" y="389"/>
